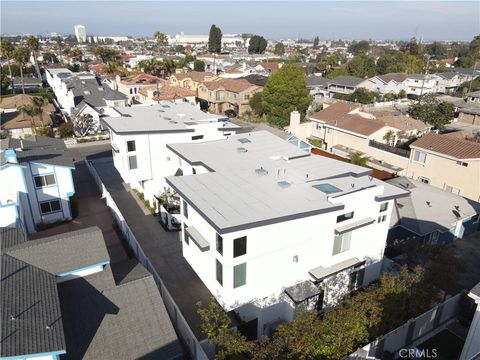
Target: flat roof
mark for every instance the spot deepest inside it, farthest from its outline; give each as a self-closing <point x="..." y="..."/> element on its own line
<point x="172" y="117"/>
<point x="258" y="179"/>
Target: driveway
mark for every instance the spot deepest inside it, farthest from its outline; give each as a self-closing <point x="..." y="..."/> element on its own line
<point x="92" y="211"/>
<point x="164" y="249"/>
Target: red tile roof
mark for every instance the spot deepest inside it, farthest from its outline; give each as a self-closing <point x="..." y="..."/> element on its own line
<point x="232" y="85"/>
<point x="271" y="66"/>
<point x="338" y="115"/>
<point x="141" y="79"/>
<point x="449" y="145"/>
<point x="197" y="76"/>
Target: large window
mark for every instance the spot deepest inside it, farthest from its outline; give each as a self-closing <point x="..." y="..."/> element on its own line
<point x="384" y="207"/>
<point x="131" y="146"/>
<point x="420" y="156"/>
<point x="185" y="209"/>
<point x="219" y="271"/>
<point x="197" y="137"/>
<point x="44" y="180"/>
<point x="239" y="275"/>
<point x="52" y="206"/>
<point x="219" y="95"/>
<point x="219" y="244"/>
<point x="356" y="279"/>
<point x="345" y="217"/>
<point x="132" y="162"/>
<point x="185" y="234"/>
<point x="239" y="246"/>
<point x="342" y="243"/>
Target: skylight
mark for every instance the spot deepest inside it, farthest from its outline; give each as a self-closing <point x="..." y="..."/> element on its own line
<point x="327" y="188"/>
<point x="244" y="140"/>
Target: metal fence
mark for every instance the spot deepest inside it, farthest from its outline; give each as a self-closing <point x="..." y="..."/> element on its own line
<point x="189" y="339"/>
<point x="413" y="332"/>
<point x="388" y="148"/>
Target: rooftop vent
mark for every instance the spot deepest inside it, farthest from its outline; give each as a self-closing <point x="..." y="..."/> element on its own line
<point x="283" y="184"/>
<point x="327" y="188"/>
<point x="161" y="110"/>
<point x="173" y="122"/>
<point x="100" y="88"/>
<point x="261" y="171"/>
<point x="87" y="92"/>
<point x="166" y="106"/>
<point x="241" y="150"/>
<point x="167" y="118"/>
<point x="244" y="140"/>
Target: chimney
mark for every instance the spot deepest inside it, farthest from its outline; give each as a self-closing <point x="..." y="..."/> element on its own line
<point x="294" y="118"/>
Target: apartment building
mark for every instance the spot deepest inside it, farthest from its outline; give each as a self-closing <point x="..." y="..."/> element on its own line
<point x="37" y="183"/>
<point x="228" y="96"/>
<point x="270" y="228"/>
<point x="139" y="136"/>
<point x="448" y="163"/>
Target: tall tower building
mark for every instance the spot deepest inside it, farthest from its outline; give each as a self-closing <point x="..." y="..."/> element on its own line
<point x="80" y="33"/>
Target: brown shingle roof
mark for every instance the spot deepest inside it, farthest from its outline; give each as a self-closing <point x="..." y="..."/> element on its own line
<point x="398" y="77"/>
<point x="232" y="85"/>
<point x="16" y="119"/>
<point x="402" y="122"/>
<point x="198" y="76"/>
<point x="338" y="115"/>
<point x="448" y="145"/>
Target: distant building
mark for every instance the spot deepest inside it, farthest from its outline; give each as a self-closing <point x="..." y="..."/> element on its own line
<point x="80" y="33"/>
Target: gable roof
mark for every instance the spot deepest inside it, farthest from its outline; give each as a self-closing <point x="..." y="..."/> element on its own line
<point x="198" y="76"/>
<point x="402" y="122"/>
<point x="66" y="247"/>
<point x="140" y="79"/>
<point x="448" y="145"/>
<point x="31" y="316"/>
<point x="338" y="115"/>
<point x="351" y="81"/>
<point x="117" y="311"/>
<point x="232" y="85"/>
<point x="397" y="77"/>
<point x="315" y="80"/>
<point x="42" y="149"/>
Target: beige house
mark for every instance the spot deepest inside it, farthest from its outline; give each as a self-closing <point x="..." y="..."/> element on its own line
<point x="131" y="86"/>
<point x="224" y="95"/>
<point x="448" y="163"/>
<point x="191" y="80"/>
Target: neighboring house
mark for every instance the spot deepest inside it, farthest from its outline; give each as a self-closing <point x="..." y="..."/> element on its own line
<point x="420" y="84"/>
<point x="256" y="79"/>
<point x="430" y="215"/>
<point x="318" y="85"/>
<point x="447" y="163"/>
<point x="131" y="86"/>
<point x="348" y="85"/>
<point x="30" y="84"/>
<point x="139" y="136"/>
<point x="448" y="82"/>
<point x="61" y="297"/>
<point x="391" y="83"/>
<point x="37" y="182"/>
<point x="164" y="93"/>
<point x="270" y="228"/>
<point x="228" y="95"/>
<point x="268" y="67"/>
<point x="18" y="124"/>
<point x="56" y="76"/>
<point x="473" y="97"/>
<point x="191" y="80"/>
<point x="471" y="348"/>
<point x="403" y="127"/>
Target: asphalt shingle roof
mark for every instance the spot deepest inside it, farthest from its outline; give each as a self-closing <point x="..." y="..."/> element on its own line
<point x="448" y="145"/>
<point x="92" y="91"/>
<point x="73" y="251"/>
<point x="346" y="81"/>
<point x="9" y="237"/>
<point x="107" y="321"/>
<point x="31" y="318"/>
<point x="42" y="149"/>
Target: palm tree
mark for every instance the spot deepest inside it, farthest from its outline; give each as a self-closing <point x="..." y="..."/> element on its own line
<point x="20" y="56"/>
<point x="33" y="45"/>
<point x="7" y="49"/>
<point x="111" y="67"/>
<point x="39" y="102"/>
<point x="161" y="39"/>
<point x="358" y="159"/>
<point x="31" y="111"/>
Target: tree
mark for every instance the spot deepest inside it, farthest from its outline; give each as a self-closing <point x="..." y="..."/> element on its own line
<point x="179" y="49"/>
<point x="361" y="66"/>
<point x="357" y="159"/>
<point x="84" y="125"/>
<point x="316" y="41"/>
<point x="161" y="39"/>
<point x="50" y="58"/>
<point x="199" y="65"/>
<point x="20" y="56"/>
<point x="285" y="91"/>
<point x="437" y="50"/>
<point x="33" y="45"/>
<point x="256" y="104"/>
<point x="432" y="111"/>
<point x="31" y="111"/>
<point x="396" y="61"/>
<point x="361" y="95"/>
<point x="104" y="54"/>
<point x="360" y="47"/>
<point x="111" y="67"/>
<point x="215" y="39"/>
<point x="7" y="49"/>
<point x="279" y="49"/>
<point x="77" y="55"/>
<point x="257" y="45"/>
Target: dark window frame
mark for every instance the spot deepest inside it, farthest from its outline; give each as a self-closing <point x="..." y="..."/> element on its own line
<point x="238" y="248"/>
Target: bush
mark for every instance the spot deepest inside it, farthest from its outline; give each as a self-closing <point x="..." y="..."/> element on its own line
<point x="316" y="142"/>
<point x="66" y="130"/>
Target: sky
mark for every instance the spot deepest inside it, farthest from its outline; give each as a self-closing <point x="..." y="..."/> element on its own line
<point x="430" y="20"/>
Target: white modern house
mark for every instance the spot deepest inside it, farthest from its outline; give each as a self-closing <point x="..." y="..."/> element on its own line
<point x="270" y="228"/>
<point x="37" y="183"/>
<point x="139" y="136"/>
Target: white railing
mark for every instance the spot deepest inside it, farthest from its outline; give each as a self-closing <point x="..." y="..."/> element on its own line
<point x="183" y="329"/>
